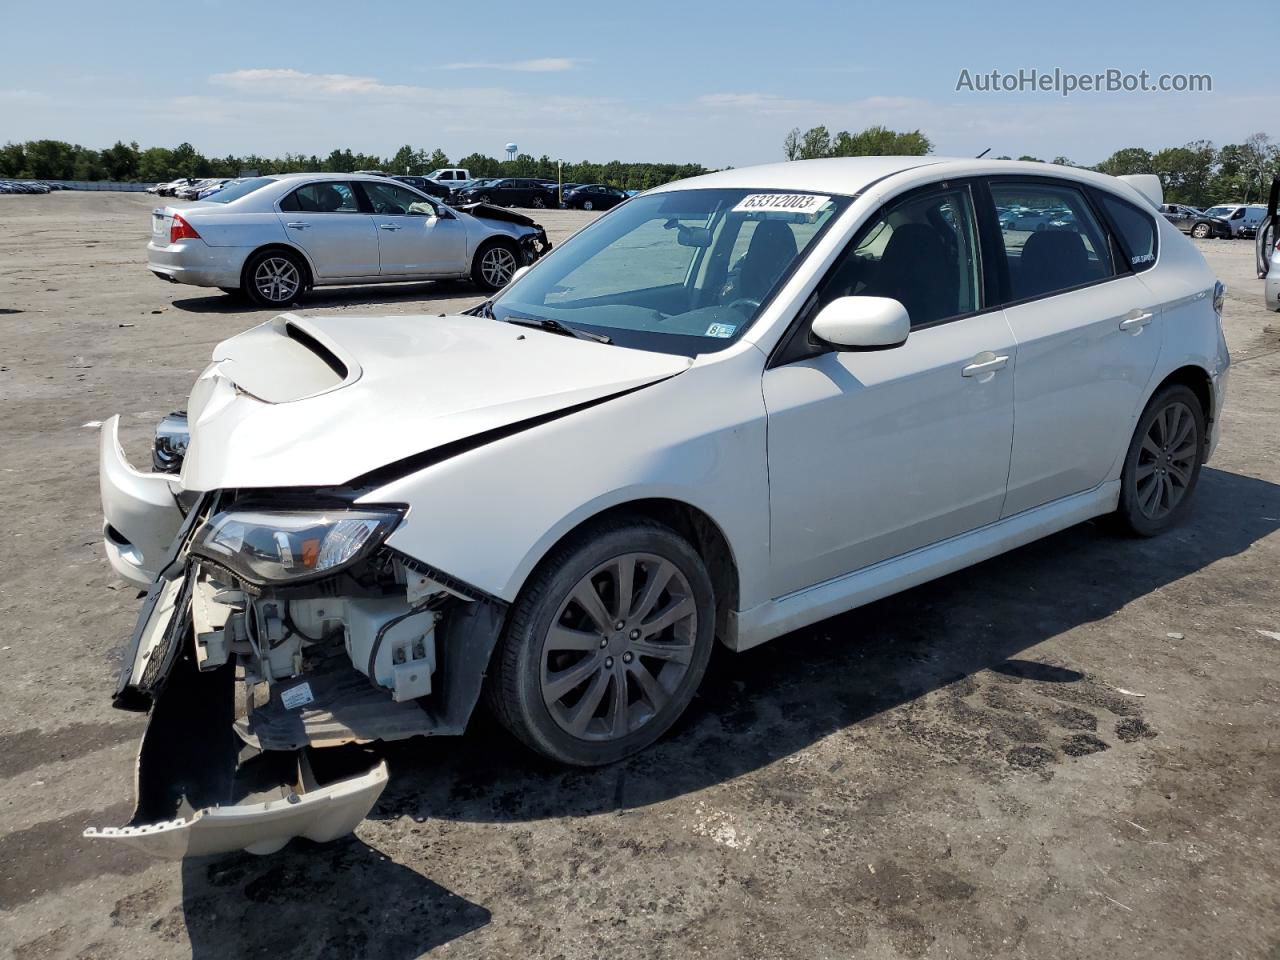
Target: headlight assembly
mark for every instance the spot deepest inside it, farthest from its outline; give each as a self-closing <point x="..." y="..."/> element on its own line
<point x="284" y="546"/>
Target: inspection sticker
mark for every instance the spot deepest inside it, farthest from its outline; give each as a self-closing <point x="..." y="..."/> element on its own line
<point x="720" y="330"/>
<point x="804" y="203"/>
<point x="296" y="697"/>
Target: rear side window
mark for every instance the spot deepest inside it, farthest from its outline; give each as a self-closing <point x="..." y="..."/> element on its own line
<point x="1137" y="231"/>
<point x="1052" y="241"/>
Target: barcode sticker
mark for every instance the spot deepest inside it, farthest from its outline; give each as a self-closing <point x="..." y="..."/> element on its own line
<point x="296" y="697"/>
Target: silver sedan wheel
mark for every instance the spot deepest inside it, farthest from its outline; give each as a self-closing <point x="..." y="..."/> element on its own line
<point x="619" y="646"/>
<point x="1166" y="461"/>
<point x="497" y="266"/>
<point x="277" y="279"/>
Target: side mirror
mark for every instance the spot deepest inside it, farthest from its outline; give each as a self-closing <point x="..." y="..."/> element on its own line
<point x="862" y="323"/>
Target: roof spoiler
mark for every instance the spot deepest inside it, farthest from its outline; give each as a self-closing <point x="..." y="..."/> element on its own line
<point x="1147" y="184"/>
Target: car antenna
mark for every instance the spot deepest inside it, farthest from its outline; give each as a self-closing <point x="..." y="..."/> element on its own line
<point x="983" y="154"/>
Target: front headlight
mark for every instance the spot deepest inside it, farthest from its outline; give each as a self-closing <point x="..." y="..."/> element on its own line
<point x="275" y="546"/>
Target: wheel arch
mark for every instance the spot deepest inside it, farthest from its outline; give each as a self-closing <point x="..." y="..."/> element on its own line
<point x="301" y="254"/>
<point x="692" y="523"/>
<point x="1200" y="382"/>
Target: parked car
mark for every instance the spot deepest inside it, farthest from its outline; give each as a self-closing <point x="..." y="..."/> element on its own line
<point x="1196" y="222"/>
<point x="593" y="196"/>
<point x="377" y="522"/>
<point x="1028" y="220"/>
<point x="209" y="188"/>
<point x="430" y="187"/>
<point x="275" y="237"/>
<point x="452" y="177"/>
<point x="1239" y="217"/>
<point x="506" y="192"/>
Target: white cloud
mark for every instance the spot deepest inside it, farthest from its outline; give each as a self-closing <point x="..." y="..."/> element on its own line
<point x="538" y="65"/>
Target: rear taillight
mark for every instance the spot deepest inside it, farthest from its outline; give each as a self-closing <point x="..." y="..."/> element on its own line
<point x="181" y="230"/>
<point x="1219" y="297"/>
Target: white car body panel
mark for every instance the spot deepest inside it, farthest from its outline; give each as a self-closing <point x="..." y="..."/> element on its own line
<point x="140" y="515"/>
<point x="698" y="438"/>
<point x="417" y="389"/>
<point x="842" y="426"/>
<point x="1073" y="376"/>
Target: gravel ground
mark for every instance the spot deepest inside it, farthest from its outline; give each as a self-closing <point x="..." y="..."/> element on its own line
<point x="1068" y="751"/>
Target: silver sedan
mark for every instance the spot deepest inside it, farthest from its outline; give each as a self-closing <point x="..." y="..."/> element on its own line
<point x="275" y="237"/>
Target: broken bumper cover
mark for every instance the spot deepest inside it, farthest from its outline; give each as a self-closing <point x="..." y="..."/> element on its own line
<point x="200" y="789"/>
<point x="325" y="813"/>
<point x="141" y="516"/>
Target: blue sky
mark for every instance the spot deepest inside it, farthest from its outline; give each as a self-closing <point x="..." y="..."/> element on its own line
<point x="718" y="84"/>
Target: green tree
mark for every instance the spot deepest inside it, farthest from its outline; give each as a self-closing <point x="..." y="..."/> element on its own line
<point x="878" y="141"/>
<point x="1126" y="161"/>
<point x="815" y="142"/>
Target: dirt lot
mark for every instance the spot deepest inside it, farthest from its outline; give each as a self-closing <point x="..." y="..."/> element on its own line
<point x="1069" y="751"/>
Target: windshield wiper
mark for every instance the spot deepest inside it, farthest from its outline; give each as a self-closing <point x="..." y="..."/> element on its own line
<point x="555" y="326"/>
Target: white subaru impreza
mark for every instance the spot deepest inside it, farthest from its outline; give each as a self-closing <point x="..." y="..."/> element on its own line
<point x="731" y="407"/>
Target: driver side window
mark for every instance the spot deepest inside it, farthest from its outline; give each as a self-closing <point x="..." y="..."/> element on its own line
<point x="921" y="250"/>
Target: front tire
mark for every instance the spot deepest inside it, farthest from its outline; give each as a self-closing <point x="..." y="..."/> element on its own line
<point x="494" y="265"/>
<point x="1162" y="465"/>
<point x="274" y="278"/>
<point x="586" y="205"/>
<point x="606" y="645"/>
<point x="1200" y="231"/>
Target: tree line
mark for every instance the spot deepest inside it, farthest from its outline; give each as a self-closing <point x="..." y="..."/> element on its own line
<point x="1196" y="173"/>
<point x="127" y="162"/>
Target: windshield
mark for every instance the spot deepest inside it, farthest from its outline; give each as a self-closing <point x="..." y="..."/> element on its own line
<point x="1218" y="212"/>
<point x="686" y="271"/>
<point x="234" y="191"/>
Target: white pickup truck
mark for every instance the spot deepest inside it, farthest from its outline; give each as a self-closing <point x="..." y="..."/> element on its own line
<point x="452" y="177"/>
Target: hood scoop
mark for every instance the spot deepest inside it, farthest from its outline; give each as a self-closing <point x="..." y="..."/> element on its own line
<point x="283" y="360"/>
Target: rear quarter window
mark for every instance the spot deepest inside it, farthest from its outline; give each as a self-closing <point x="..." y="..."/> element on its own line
<point x="1137" y="231"/>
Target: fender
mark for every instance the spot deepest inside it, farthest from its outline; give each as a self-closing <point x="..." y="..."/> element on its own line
<point x="488" y="515"/>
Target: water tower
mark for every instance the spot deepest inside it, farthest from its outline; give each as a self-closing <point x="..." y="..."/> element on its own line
<point x="511" y="151"/>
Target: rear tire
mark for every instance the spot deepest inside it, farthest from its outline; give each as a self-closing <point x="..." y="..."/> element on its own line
<point x="275" y="278"/>
<point x="1162" y="464"/>
<point x="588" y="682"/>
<point x="494" y="264"/>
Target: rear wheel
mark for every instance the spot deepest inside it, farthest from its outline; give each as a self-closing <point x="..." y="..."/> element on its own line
<point x="1162" y="465"/>
<point x="494" y="264"/>
<point x="275" y="278"/>
<point x="606" y="645"/>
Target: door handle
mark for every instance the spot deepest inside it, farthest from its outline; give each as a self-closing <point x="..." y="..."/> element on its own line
<point x="1134" y="323"/>
<point x="388" y="226"/>
<point x="981" y="368"/>
<point x="297" y="225"/>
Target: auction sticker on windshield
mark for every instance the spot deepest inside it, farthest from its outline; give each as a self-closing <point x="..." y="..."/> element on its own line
<point x="803" y="203"/>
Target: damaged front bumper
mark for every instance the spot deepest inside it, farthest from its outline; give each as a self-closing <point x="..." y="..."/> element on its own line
<point x="248" y="689"/>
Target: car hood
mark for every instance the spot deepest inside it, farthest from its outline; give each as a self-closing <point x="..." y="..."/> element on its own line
<point x="315" y="402"/>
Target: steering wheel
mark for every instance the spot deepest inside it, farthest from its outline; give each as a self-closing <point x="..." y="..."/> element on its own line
<point x="750" y="304"/>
